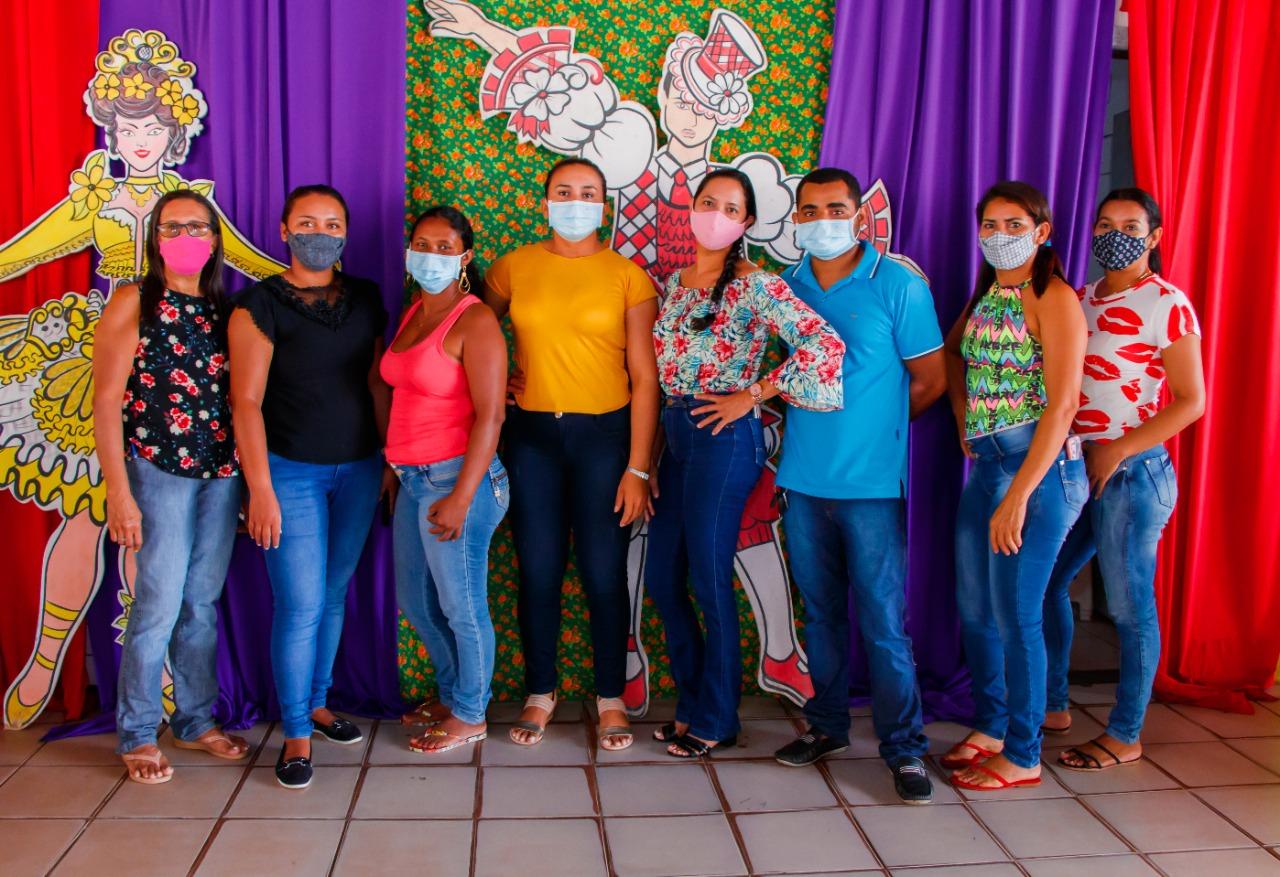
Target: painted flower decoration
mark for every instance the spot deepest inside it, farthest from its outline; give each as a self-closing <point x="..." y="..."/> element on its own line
<point x="106" y="86"/>
<point x="186" y="109"/>
<point x="541" y="94"/>
<point x="91" y="187"/>
<point x="170" y="92"/>
<point x="136" y="86"/>
<point x="728" y="93"/>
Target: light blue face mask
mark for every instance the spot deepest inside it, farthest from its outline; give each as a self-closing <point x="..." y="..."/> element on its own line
<point x="575" y="220"/>
<point x="432" y="271"/>
<point x="825" y="238"/>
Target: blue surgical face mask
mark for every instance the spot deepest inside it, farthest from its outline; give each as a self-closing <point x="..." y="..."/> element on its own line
<point x="434" y="272"/>
<point x="575" y="220"/>
<point x="826" y="238"/>
<point x="316" y="251"/>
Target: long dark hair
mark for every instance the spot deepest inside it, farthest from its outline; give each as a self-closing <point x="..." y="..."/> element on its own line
<point x="152" y="285"/>
<point x="458" y="222"/>
<point x="1046" y="264"/>
<point x="736" y="252"/>
<point x="1155" y="220"/>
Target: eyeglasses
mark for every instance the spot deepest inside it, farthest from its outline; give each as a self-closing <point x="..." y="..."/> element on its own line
<point x="195" y="228"/>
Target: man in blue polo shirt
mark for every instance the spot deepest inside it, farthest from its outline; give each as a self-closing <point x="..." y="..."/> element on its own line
<point x="844" y="476"/>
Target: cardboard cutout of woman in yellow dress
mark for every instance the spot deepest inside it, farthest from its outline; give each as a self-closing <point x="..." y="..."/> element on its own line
<point x="143" y="98"/>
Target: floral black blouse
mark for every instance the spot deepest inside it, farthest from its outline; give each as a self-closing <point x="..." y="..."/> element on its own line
<point x="176" y="410"/>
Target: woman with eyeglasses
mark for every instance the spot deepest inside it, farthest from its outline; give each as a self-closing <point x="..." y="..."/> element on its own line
<point x="310" y="413"/>
<point x="163" y="433"/>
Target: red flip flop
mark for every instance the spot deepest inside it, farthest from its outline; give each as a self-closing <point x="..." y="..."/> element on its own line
<point x="971" y="761"/>
<point x="1004" y="783"/>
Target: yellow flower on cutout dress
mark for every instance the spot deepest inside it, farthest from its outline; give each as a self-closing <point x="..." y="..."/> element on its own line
<point x="107" y="86"/>
<point x="91" y="187"/>
<point x="186" y="110"/>
<point x="136" y="86"/>
<point x="170" y="92"/>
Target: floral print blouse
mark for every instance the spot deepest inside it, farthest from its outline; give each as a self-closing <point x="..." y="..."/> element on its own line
<point x="177" y="415"/>
<point x="725" y="357"/>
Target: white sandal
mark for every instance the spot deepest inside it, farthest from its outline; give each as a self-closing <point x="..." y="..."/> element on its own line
<point x="536" y="701"/>
<point x="612" y="704"/>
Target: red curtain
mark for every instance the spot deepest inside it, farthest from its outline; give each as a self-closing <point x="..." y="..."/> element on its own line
<point x="1203" y="79"/>
<point x="46" y="60"/>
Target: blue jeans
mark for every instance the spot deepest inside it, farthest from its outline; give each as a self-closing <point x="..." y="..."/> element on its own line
<point x="565" y="470"/>
<point x="859" y="545"/>
<point x="442" y="587"/>
<point x="325" y="513"/>
<point x="704" y="481"/>
<point x="1123" y="528"/>
<point x="188" y="530"/>
<point x="1001" y="597"/>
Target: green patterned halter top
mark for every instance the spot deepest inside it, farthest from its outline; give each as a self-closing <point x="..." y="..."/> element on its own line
<point x="1004" y="365"/>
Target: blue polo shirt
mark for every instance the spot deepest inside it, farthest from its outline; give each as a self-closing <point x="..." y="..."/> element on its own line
<point x="884" y="313"/>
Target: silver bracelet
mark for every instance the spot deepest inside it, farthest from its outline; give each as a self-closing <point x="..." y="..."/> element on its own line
<point x="639" y="473"/>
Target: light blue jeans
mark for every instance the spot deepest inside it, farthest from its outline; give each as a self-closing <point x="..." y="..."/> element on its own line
<point x="442" y="587"/>
<point x="188" y="530"/>
<point x="1001" y="597"/>
<point x="1123" y="527"/>
<point x="325" y="513"/>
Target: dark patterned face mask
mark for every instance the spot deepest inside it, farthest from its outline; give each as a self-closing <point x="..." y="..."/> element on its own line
<point x="1116" y="250"/>
<point x="316" y="251"/>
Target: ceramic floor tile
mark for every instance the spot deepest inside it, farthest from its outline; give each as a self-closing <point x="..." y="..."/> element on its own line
<point x="935" y="835"/>
<point x="252" y="735"/>
<point x="424" y="847"/>
<point x="507" y="712"/>
<point x="868" y="781"/>
<point x="87" y="750"/>
<point x="6" y="771"/>
<point x="1167" y="821"/>
<point x="770" y="786"/>
<point x="1207" y="764"/>
<point x="328" y="796"/>
<point x="1090" y="866"/>
<point x="1052" y="827"/>
<point x="193" y="793"/>
<point x="660" y="711"/>
<point x="1263" y="723"/>
<point x="805" y="841"/>
<point x="137" y="848"/>
<point x="17" y="746"/>
<point x="539" y="848"/>
<point x="1086" y="695"/>
<point x="1049" y="788"/>
<point x="943" y="735"/>
<point x="278" y="847"/>
<point x="1161" y="725"/>
<point x="995" y="869"/>
<point x="1237" y="863"/>
<point x="1264" y="750"/>
<point x="756" y="706"/>
<point x="656" y="790"/>
<point x="421" y="792"/>
<point x="57" y="792"/>
<point x="863" y="742"/>
<point x="391" y="746"/>
<point x="1256" y="809"/>
<point x="31" y="846"/>
<point x="536" y="792"/>
<point x="1083" y="728"/>
<point x="563" y="744"/>
<point x="702" y="845"/>
<point x="1141" y="776"/>
<point x="760" y="738"/>
<point x="324" y="753"/>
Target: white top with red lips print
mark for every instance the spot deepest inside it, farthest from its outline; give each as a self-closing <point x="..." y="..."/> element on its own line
<point x="1123" y="371"/>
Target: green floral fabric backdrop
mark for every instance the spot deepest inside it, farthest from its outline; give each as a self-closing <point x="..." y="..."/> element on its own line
<point x="455" y="157"/>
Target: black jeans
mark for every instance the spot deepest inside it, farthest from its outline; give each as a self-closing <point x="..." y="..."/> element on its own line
<point x="564" y="472"/>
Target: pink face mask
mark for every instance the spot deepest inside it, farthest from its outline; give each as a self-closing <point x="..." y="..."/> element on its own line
<point x="714" y="230"/>
<point x="184" y="254"/>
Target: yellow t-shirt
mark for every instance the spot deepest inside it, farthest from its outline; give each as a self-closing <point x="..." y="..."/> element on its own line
<point x="570" y="325"/>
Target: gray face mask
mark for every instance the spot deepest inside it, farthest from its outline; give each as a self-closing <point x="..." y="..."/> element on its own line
<point x="316" y="251"/>
<point x="1005" y="252"/>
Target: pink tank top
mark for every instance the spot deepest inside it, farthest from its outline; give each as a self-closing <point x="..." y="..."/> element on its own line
<point x="431" y="409"/>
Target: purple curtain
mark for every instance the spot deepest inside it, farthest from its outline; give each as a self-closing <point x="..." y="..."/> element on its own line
<point x="299" y="91"/>
<point x="940" y="100"/>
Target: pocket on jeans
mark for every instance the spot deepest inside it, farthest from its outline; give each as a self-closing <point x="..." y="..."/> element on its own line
<point x="444" y="475"/>
<point x="1160" y="471"/>
<point x="1075" y="482"/>
<point x="500" y="484"/>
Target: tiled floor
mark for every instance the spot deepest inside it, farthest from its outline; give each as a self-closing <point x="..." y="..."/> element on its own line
<point x="1205" y="802"/>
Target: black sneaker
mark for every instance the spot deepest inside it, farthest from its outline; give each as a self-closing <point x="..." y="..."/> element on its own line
<point x="911" y="780"/>
<point x="808" y="748"/>
<point x="295" y="773"/>
<point x="338" y="731"/>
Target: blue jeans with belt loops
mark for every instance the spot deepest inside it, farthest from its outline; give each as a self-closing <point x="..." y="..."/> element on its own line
<point x="1001" y="597"/>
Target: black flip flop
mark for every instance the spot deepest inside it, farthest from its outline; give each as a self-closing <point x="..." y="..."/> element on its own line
<point x="1092" y="762"/>
<point x="695" y="748"/>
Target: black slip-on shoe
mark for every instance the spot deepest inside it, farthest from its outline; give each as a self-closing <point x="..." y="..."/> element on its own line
<point x="293" y="773"/>
<point x="808" y="748"/>
<point x="338" y="731"/>
<point x="911" y="780"/>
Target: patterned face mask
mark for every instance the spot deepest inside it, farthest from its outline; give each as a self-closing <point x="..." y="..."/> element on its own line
<point x="1004" y="252"/>
<point x="1116" y="250"/>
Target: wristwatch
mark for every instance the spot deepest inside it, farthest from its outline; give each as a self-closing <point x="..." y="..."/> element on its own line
<point x="757" y="392"/>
